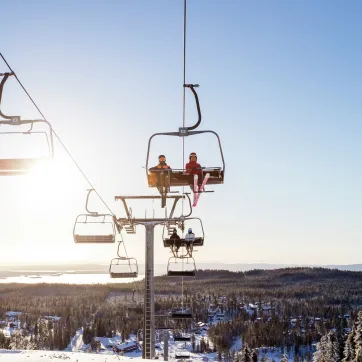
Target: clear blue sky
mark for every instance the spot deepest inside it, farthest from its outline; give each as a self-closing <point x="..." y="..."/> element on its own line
<point x="281" y="83"/>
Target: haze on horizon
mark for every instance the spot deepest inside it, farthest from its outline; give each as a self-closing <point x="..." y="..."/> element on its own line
<point x="280" y="82"/>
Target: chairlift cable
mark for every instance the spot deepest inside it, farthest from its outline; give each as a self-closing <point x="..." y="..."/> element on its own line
<point x="56" y="135"/>
<point x="184" y="99"/>
<point x="183" y="125"/>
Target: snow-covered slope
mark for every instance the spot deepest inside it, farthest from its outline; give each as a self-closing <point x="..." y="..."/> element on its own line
<point x="45" y="356"/>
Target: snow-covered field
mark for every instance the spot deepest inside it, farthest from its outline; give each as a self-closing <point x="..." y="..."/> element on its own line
<point x="44" y="356"/>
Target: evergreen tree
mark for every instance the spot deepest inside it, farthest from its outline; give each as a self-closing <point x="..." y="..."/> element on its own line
<point x="320" y="353"/>
<point x="3" y="341"/>
<point x="43" y="336"/>
<point x="17" y="340"/>
<point x="193" y="342"/>
<point x="327" y="349"/>
<point x="358" y="335"/>
<point x="332" y="352"/>
<point x="246" y="354"/>
<point x="349" y="349"/>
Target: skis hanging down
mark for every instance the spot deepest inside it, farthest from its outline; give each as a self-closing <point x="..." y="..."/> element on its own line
<point x="196" y="188"/>
<point x="198" y="191"/>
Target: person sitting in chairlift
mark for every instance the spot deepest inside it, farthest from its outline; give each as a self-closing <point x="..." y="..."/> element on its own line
<point x="176" y="241"/>
<point x="193" y="168"/>
<point x="189" y="239"/>
<point x="163" y="177"/>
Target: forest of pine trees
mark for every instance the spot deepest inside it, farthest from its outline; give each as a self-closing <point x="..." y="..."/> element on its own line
<point x="316" y="299"/>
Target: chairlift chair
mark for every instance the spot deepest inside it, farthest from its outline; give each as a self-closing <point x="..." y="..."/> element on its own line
<point x="169" y="243"/>
<point x="181" y="267"/>
<point x="90" y="220"/>
<point x="123" y="268"/>
<point x="163" y="322"/>
<point x="20" y="166"/>
<point x="85" y="219"/>
<point x="179" y="177"/>
<point x="182" y="311"/>
<point x="182" y="355"/>
<point x="181" y="337"/>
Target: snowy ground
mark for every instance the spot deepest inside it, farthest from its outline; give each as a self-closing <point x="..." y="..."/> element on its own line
<point x="44" y="356"/>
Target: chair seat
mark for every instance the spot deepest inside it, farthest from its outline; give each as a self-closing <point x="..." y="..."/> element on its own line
<point x="182" y="242"/>
<point x="179" y="178"/>
<point x="181" y="273"/>
<point x="17" y="165"/>
<point x="181" y="338"/>
<point x="94" y="238"/>
<point x="181" y="316"/>
<point x="124" y="275"/>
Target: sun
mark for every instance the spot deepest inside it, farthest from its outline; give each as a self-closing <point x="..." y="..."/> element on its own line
<point x="47" y="201"/>
<point x="49" y="176"/>
<point x="49" y="187"/>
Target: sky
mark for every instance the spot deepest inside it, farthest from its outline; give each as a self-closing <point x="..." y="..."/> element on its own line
<point x="280" y="82"/>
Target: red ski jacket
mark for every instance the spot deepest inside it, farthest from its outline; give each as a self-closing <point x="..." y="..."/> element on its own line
<point x="193" y="168"/>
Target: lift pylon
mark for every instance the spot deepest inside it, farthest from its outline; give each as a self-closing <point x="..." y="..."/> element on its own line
<point x="149" y="224"/>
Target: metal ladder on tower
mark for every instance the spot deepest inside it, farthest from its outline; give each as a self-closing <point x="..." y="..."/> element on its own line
<point x="148" y="330"/>
<point x="170" y="224"/>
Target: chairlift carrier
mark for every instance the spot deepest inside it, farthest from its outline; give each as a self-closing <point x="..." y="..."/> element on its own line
<point x="123" y="267"/>
<point x="179" y="177"/>
<point x="181" y="312"/>
<point x="172" y="261"/>
<point x="181" y="337"/>
<point x="123" y="262"/>
<point x="199" y="241"/>
<point x="93" y="217"/>
<point x="20" y="166"/>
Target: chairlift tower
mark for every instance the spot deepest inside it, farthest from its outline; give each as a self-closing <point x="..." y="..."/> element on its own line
<point x="148" y="349"/>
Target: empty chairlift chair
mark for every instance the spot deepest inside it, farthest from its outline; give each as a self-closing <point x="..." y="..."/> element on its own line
<point x="37" y="143"/>
<point x="181" y="312"/>
<point x="182" y="355"/>
<point x="123" y="268"/>
<point x="94" y="228"/>
<point x="181" y="267"/>
<point x="27" y="142"/>
<point x="181" y="337"/>
<point x="103" y="221"/>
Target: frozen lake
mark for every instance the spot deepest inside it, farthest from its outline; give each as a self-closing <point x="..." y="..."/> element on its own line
<point x="68" y="279"/>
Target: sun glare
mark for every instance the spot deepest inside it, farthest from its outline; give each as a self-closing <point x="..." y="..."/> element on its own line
<point x="49" y="176"/>
<point x="48" y="201"/>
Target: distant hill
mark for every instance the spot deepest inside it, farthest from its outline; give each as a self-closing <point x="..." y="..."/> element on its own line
<point x="160" y="269"/>
<point x="302" y="282"/>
